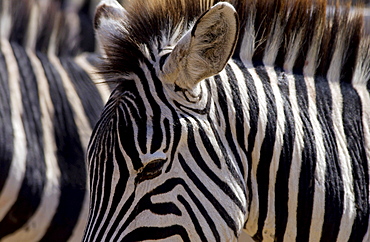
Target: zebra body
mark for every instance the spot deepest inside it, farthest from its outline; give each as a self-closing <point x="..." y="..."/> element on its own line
<point x="195" y="146"/>
<point x="49" y="102"/>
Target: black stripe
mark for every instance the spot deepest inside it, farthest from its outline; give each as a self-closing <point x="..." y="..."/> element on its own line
<point x="207" y="194"/>
<point x="239" y="115"/>
<point x="224" y="106"/>
<point x="128" y="93"/>
<point x="156" y="233"/>
<point x="175" y="121"/>
<point x="215" y="130"/>
<point x="87" y="38"/>
<point x="267" y="150"/>
<point x="70" y="156"/>
<point x="20" y="11"/>
<point x="203" y="211"/>
<point x="170" y="184"/>
<point x="6" y="127"/>
<point x="145" y="203"/>
<point x="220" y="143"/>
<point x="283" y="172"/>
<point x="353" y="128"/>
<point x="253" y="123"/>
<point x="157" y="137"/>
<point x="122" y="212"/>
<point x="86" y="90"/>
<point x="127" y="102"/>
<point x="197" y="157"/>
<point x="32" y="187"/>
<point x="194" y="219"/>
<point x="127" y="132"/>
<point x="202" y="134"/>
<point x="209" y="147"/>
<point x="308" y="164"/>
<point x="333" y="183"/>
<point x="106" y="168"/>
<point x="167" y="130"/>
<point x="96" y="167"/>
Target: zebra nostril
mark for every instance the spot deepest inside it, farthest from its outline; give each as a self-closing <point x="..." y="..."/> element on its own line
<point x="150" y="171"/>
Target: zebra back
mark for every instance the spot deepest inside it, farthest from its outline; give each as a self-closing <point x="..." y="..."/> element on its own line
<point x="50" y="100"/>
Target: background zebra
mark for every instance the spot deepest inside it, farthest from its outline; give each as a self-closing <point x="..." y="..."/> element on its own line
<point x="48" y="106"/>
<point x="195" y="146"/>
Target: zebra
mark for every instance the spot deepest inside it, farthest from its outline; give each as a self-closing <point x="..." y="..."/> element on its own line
<point x="227" y="116"/>
<point x="49" y="103"/>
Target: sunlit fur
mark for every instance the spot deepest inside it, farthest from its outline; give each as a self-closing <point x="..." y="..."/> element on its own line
<point x="276" y="143"/>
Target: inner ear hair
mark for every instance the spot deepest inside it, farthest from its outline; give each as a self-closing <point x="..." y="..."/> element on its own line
<point x="205" y="50"/>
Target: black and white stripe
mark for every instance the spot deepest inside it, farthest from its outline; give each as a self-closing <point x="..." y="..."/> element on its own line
<point x="277" y="143"/>
<point x="49" y="104"/>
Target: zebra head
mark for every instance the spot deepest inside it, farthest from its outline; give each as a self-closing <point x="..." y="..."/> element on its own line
<point x="156" y="159"/>
<point x="207" y="133"/>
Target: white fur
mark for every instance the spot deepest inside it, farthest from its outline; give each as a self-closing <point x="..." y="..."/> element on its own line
<point x="291" y="228"/>
<point x="102" y="87"/>
<point x="273" y="44"/>
<point x="319" y="194"/>
<point x="252" y="220"/>
<point x="111" y="26"/>
<point x="5" y="19"/>
<point x="38" y="224"/>
<point x="246" y="52"/>
<point x="18" y="165"/>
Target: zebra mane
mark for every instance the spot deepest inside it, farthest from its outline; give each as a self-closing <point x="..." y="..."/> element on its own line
<point x="48" y="26"/>
<point x="301" y="36"/>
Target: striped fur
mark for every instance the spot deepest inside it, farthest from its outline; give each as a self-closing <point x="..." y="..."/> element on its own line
<point x="277" y="143"/>
<point x="48" y="106"/>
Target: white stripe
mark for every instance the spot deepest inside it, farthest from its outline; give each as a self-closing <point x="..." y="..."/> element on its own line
<point x="32" y="28"/>
<point x="5" y="19"/>
<point x="295" y="168"/>
<point x="318" y="208"/>
<point x="349" y="210"/>
<point x="243" y="90"/>
<point x="102" y="87"/>
<point x="320" y="169"/>
<point x="114" y="177"/>
<point x="83" y="125"/>
<point x="269" y="227"/>
<point x="365" y="100"/>
<point x="129" y="189"/>
<point x="13" y="183"/>
<point x="148" y="110"/>
<point x="96" y="206"/>
<point x="238" y="191"/>
<point x="84" y="130"/>
<point x="248" y="42"/>
<point x="360" y="79"/>
<point x="251" y="225"/>
<point x="104" y="92"/>
<point x="38" y="224"/>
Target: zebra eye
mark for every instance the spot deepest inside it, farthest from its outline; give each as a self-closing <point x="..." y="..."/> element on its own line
<point x="150" y="171"/>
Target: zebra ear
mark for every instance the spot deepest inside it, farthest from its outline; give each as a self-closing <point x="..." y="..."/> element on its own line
<point x="205" y="50"/>
<point x="109" y="16"/>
